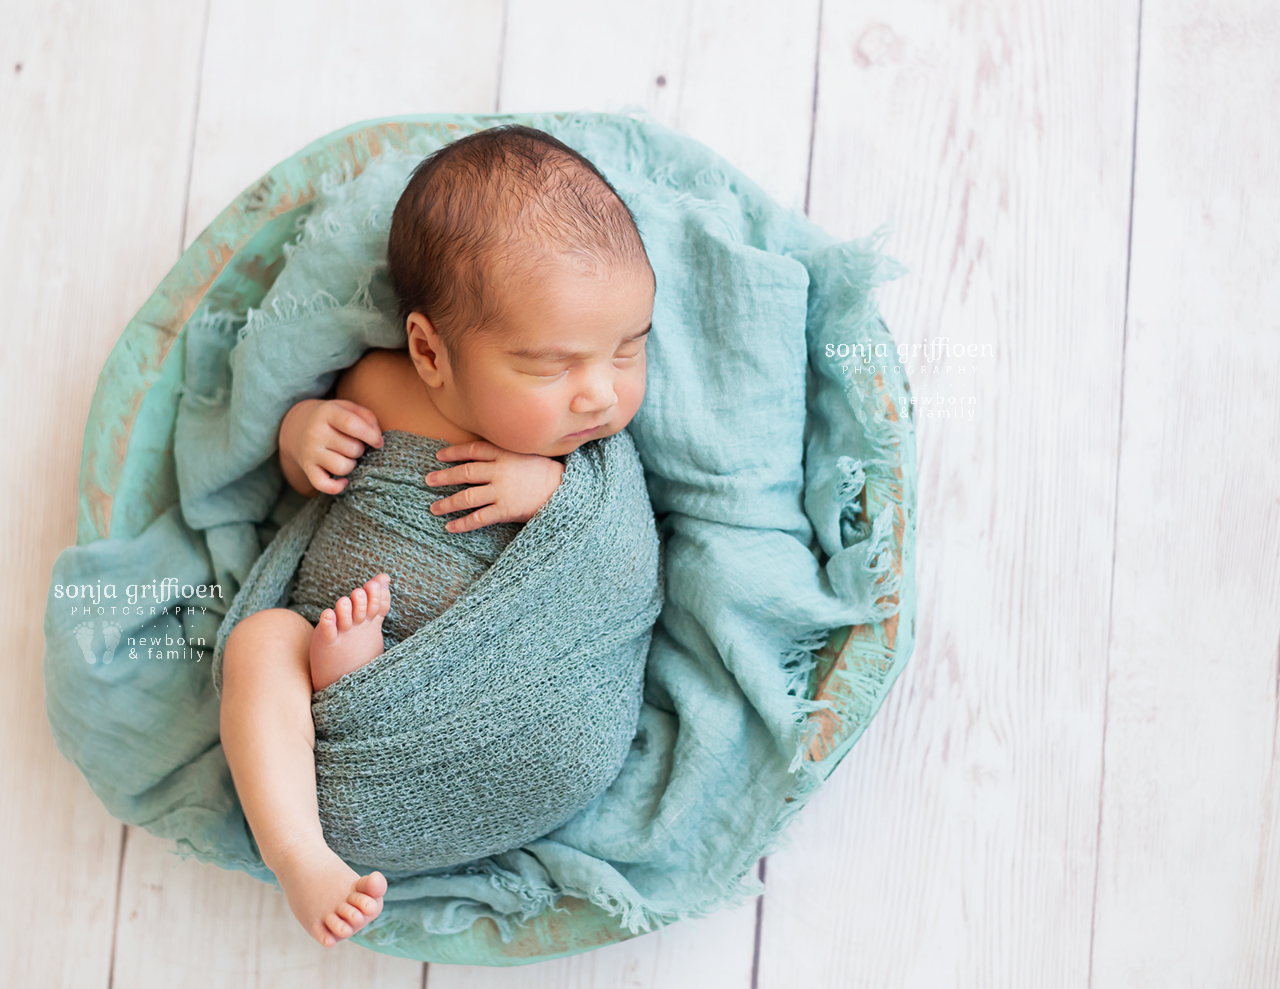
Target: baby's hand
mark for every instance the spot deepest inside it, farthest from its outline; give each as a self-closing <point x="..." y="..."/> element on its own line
<point x="322" y="438"/>
<point x="506" y="486"/>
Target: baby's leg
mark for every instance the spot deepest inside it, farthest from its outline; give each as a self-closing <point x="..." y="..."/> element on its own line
<point x="349" y="634"/>
<point x="269" y="740"/>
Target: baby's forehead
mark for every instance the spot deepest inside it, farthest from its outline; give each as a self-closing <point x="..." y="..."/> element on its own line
<point x="508" y="259"/>
<point x="562" y="296"/>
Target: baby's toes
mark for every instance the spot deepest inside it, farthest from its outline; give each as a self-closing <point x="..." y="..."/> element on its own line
<point x="327" y="626"/>
<point x="339" y="927"/>
<point x="352" y="915"/>
<point x="321" y="934"/>
<point x="367" y="905"/>
<point x="359" y="605"/>
<point x="342" y="608"/>
<point x="374" y="884"/>
<point x="379" y="597"/>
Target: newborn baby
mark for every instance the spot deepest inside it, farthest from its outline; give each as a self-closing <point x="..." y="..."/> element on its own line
<point x="526" y="295"/>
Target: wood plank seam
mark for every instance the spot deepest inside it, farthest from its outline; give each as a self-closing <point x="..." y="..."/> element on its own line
<point x="1115" y="519"/>
<point x="497" y="100"/>
<point x="115" y="916"/>
<point x="813" y="110"/>
<point x="195" y="128"/>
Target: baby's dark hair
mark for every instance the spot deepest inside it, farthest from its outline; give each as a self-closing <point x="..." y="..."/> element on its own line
<point x="510" y="196"/>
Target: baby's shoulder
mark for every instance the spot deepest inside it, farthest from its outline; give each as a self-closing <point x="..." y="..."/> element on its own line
<point x="375" y="379"/>
<point x="387" y="384"/>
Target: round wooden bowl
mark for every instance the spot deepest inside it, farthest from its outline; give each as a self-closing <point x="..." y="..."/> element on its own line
<point x="128" y="479"/>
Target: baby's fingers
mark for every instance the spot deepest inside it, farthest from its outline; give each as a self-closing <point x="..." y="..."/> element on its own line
<point x="353" y="420"/>
<point x="476" y="520"/>
<point x="473" y="472"/>
<point x="340" y="443"/>
<point x="322" y="482"/>
<point x="470" y="498"/>
<point x="335" y="463"/>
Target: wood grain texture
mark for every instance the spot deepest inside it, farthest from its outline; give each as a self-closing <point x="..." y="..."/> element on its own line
<point x="97" y="118"/>
<point x="1189" y="878"/>
<point x="186" y="924"/>
<point x="709" y="953"/>
<point x="280" y="74"/>
<point x="961" y="840"/>
<point x="736" y="76"/>
<point x="955" y="846"/>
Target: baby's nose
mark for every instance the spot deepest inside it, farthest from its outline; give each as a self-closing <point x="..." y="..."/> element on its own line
<point x="595" y="395"/>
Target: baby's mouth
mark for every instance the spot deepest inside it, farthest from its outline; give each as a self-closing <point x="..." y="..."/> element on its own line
<point x="584" y="432"/>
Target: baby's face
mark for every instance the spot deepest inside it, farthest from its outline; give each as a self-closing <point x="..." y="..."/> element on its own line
<point x="566" y="365"/>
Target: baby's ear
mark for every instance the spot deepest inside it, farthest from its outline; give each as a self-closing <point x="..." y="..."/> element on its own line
<point x="418" y="327"/>
<point x="424" y="344"/>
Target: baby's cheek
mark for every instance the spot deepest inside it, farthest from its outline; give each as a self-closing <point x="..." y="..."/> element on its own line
<point x="631" y="394"/>
<point x="527" y="419"/>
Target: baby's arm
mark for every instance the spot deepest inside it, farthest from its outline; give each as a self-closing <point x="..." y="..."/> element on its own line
<point x="505" y="486"/>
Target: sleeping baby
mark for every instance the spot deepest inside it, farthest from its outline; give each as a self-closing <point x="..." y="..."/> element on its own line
<point x="526" y="295"/>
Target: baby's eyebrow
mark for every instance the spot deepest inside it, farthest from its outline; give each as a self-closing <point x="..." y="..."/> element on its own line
<point x="552" y="353"/>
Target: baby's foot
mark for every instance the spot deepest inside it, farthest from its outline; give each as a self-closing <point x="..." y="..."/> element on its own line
<point x="329" y="898"/>
<point x="349" y="634"/>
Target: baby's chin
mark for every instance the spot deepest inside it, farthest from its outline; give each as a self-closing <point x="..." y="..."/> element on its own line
<point x="568" y="444"/>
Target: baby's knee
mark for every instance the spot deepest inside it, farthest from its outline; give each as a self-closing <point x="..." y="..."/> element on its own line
<point x="264" y="639"/>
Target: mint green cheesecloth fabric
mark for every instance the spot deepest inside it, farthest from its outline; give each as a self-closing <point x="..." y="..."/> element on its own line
<point x="755" y="443"/>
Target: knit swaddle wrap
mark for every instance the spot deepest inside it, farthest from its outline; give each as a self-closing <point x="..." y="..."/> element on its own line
<point x="497" y="721"/>
<point x="382" y="522"/>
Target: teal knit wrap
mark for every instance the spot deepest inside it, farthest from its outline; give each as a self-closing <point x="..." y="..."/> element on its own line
<point x="499" y="720"/>
<point x="382" y="522"/>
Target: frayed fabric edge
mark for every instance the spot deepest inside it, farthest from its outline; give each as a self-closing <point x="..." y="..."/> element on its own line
<point x="223" y="322"/>
<point x="184" y="850"/>
<point x="288" y="308"/>
<point x="336" y="186"/>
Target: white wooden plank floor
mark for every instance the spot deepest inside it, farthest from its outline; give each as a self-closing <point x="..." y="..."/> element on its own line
<point x="1076" y="782"/>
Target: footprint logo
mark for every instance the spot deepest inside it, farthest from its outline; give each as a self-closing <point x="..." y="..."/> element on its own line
<point x="84" y="638"/>
<point x="111" y="636"/>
